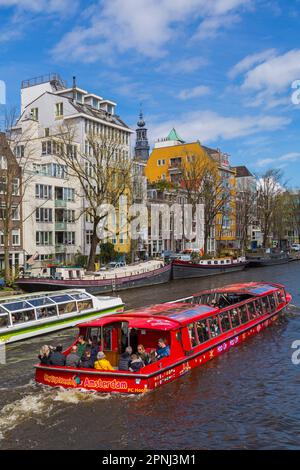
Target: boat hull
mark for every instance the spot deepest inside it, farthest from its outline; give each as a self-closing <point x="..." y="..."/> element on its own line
<point x="186" y="270"/>
<point x="263" y="262"/>
<point x="54" y="325"/>
<point x="98" y="286"/>
<point x="134" y="383"/>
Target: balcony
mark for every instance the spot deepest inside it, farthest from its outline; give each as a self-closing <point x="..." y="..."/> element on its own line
<point x="60" y="226"/>
<point x="60" y="203"/>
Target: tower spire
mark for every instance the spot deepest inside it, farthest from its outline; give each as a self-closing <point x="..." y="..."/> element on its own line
<point x="142" y="148"/>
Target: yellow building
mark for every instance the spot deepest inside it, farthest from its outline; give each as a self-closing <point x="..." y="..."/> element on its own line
<point x="165" y="164"/>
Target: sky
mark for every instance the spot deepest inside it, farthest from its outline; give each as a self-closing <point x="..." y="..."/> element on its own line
<point x="224" y="72"/>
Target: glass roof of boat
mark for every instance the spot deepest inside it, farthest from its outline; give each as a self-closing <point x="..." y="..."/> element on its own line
<point x="43" y="299"/>
<point x="14" y="306"/>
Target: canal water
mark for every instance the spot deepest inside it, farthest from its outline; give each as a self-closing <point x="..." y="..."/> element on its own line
<point x="248" y="398"/>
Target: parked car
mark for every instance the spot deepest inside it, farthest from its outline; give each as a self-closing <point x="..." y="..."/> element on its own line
<point x="295" y="247"/>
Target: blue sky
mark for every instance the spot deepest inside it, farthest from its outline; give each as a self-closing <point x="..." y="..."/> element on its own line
<point x="220" y="71"/>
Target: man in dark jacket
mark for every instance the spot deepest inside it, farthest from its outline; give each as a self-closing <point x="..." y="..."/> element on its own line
<point x="87" y="362"/>
<point x="57" y="358"/>
<point x="125" y="359"/>
<point x="72" y="359"/>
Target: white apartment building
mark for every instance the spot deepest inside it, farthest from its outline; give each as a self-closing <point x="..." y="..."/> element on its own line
<point x="54" y="226"/>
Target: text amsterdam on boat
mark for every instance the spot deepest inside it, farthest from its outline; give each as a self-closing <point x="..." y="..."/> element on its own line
<point x="194" y="330"/>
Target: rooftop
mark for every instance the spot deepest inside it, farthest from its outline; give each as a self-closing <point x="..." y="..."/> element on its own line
<point x="242" y="171"/>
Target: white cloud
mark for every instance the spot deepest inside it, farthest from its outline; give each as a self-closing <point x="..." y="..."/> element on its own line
<point x="275" y="74"/>
<point x="195" y="92"/>
<point x="188" y="65"/>
<point x="209" y="126"/>
<point x="211" y="26"/>
<point x="251" y="60"/>
<point x="38" y="6"/>
<point x="288" y="157"/>
<point x="145" y="26"/>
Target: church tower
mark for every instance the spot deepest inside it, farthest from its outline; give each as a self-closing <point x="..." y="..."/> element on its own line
<point x="142" y="147"/>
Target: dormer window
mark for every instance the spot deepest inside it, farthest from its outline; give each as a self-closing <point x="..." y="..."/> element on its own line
<point x="95" y="103"/>
<point x="79" y="97"/>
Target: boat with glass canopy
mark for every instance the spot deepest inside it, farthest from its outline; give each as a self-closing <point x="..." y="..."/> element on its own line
<point x="25" y="316"/>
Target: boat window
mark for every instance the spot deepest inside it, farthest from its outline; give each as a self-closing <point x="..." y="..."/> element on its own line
<point x="222" y="261"/>
<point x="272" y="303"/>
<point x="244" y="313"/>
<point x="214" y="326"/>
<point x="216" y="262"/>
<point x="45" y="312"/>
<point x="265" y="305"/>
<point x="235" y="321"/>
<point x="22" y="317"/>
<point x="93" y="332"/>
<point x="202" y="331"/>
<point x="281" y="296"/>
<point x="4" y="321"/>
<point x="252" y="311"/>
<point x="225" y="322"/>
<point x="85" y="305"/>
<point x="13" y="306"/>
<point x="61" y="298"/>
<point x="69" y="307"/>
<point x="192" y="335"/>
<point x="81" y="296"/>
<point x="107" y="338"/>
<point x="258" y="308"/>
<point x="208" y="262"/>
<point x="41" y="301"/>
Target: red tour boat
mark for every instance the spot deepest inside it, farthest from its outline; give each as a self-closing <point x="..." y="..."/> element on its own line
<point x="197" y="329"/>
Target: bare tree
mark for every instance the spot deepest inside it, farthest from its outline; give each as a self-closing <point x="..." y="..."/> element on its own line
<point x="270" y="188"/>
<point x="203" y="184"/>
<point x="246" y="214"/>
<point x="15" y="171"/>
<point x="103" y="171"/>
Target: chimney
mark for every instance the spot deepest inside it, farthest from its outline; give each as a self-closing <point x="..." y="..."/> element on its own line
<point x="74" y="89"/>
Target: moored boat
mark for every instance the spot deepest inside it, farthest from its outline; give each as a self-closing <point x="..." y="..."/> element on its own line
<point x="128" y="277"/>
<point x="25" y="316"/>
<point x="182" y="269"/>
<point x="196" y="329"/>
<point x="271" y="259"/>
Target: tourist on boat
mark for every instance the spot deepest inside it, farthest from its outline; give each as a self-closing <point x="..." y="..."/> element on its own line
<point x="72" y="359"/>
<point x="81" y="345"/>
<point x="102" y="363"/>
<point x="94" y="348"/>
<point x="86" y="361"/>
<point x="142" y="353"/>
<point x="45" y="354"/>
<point x="163" y="350"/>
<point x="125" y="359"/>
<point x="57" y="358"/>
<point x="136" y="363"/>
<point x="152" y="356"/>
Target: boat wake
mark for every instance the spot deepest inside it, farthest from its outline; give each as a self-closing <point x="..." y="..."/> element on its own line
<point x="35" y="405"/>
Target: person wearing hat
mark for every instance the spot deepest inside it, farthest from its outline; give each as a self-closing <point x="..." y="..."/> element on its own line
<point x="102" y="363"/>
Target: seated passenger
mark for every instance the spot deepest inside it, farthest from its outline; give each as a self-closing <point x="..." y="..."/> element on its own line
<point x="81" y="345"/>
<point x="136" y="363"/>
<point x="152" y="356"/>
<point x="102" y="363"/>
<point x="142" y="353"/>
<point x="125" y="359"/>
<point x="86" y="361"/>
<point x="163" y="349"/>
<point x="45" y="355"/>
<point x="57" y="358"/>
<point x="72" y="359"/>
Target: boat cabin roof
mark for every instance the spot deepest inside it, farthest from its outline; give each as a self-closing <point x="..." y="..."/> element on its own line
<point x="41" y="299"/>
<point x="255" y="289"/>
<point x="157" y="317"/>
